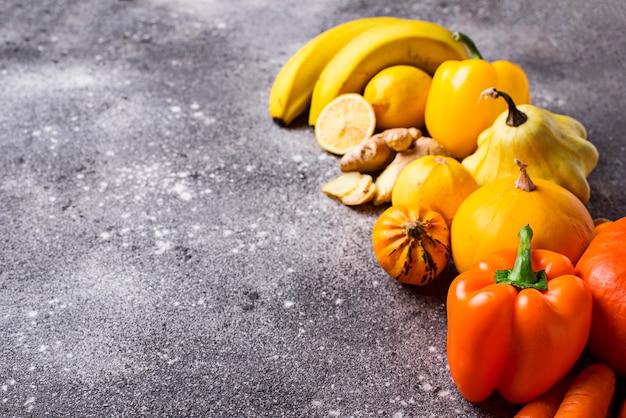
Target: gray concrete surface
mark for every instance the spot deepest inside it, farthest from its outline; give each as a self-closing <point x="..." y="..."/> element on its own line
<point x="165" y="248"/>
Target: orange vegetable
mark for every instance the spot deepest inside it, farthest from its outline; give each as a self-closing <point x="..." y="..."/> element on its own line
<point x="546" y="405"/>
<point x="488" y="219"/>
<point x="603" y="267"/>
<point x="600" y="224"/>
<point x="590" y="394"/>
<point x="517" y="323"/>
<point x="411" y="243"/>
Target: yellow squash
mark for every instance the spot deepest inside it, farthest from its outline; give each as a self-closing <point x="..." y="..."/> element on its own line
<point x="437" y="182"/>
<point x="491" y="217"/>
<point x="554" y="146"/>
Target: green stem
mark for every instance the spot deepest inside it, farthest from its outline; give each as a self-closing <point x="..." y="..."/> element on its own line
<point x="522" y="275"/>
<point x="469" y="43"/>
<point x="516" y="117"/>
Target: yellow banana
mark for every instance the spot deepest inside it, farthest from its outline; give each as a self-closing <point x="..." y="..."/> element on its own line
<point x="291" y="92"/>
<point x="413" y="42"/>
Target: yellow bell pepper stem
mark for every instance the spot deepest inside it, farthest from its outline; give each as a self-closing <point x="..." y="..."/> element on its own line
<point x="469" y="43"/>
<point x="515" y="117"/>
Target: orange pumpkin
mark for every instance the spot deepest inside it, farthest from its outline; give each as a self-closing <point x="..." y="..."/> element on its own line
<point x="411" y="243"/>
<point x="490" y="218"/>
<point x="603" y="267"/>
<point x="437" y="182"/>
<point x="600" y="224"/>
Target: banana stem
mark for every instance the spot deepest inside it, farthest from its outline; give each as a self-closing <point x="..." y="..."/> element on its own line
<point x="469" y="43"/>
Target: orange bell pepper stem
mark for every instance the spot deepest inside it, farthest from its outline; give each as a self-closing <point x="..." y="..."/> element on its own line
<point x="511" y="336"/>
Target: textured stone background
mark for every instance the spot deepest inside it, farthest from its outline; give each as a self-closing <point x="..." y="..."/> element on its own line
<point x="165" y="248"/>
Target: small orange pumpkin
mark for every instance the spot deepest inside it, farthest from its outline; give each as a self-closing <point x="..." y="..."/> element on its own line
<point x="437" y="182"/>
<point x="411" y="243"/>
<point x="489" y="219"/>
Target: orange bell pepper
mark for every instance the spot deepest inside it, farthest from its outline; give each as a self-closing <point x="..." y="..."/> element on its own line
<point x="453" y="114"/>
<point x="517" y="323"/>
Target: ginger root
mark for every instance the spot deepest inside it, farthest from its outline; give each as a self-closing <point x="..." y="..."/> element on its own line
<point x="369" y="156"/>
<point x="385" y="181"/>
<point x="351" y="188"/>
<point x="387" y="153"/>
<point x="400" y="139"/>
<point x="376" y="152"/>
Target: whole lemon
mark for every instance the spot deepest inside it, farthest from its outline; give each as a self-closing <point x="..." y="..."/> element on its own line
<point x="398" y="95"/>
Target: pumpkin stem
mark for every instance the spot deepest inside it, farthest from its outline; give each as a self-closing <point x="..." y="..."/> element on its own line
<point x="469" y="43"/>
<point x="515" y="117"/>
<point x="524" y="181"/>
<point x="522" y="275"/>
<point x="415" y="229"/>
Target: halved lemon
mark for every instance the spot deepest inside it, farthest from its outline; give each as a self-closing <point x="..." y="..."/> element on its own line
<point x="345" y="122"/>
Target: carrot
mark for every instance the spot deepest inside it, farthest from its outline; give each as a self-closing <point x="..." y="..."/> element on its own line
<point x="590" y="394"/>
<point x="546" y="405"/>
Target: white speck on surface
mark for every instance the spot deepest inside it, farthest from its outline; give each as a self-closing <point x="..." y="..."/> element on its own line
<point x="427" y="387"/>
<point x="175" y="109"/>
<point x="339" y="302"/>
<point x="32" y="314"/>
<point x="432" y="349"/>
<point x="180" y="189"/>
<point x="163" y="246"/>
<point x="105" y="235"/>
<point x="443" y="393"/>
<point x="288" y="304"/>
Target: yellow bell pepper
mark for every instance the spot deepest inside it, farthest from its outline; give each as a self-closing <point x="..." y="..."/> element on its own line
<point x="453" y="115"/>
<point x="554" y="146"/>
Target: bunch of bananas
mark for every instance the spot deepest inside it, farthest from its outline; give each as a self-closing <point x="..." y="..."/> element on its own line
<point x="345" y="57"/>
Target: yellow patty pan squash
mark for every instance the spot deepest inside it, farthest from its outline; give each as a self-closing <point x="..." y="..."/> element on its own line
<point x="554" y="146"/>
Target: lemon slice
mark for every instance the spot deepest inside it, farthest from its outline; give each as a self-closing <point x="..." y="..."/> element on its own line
<point x="345" y="122"/>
